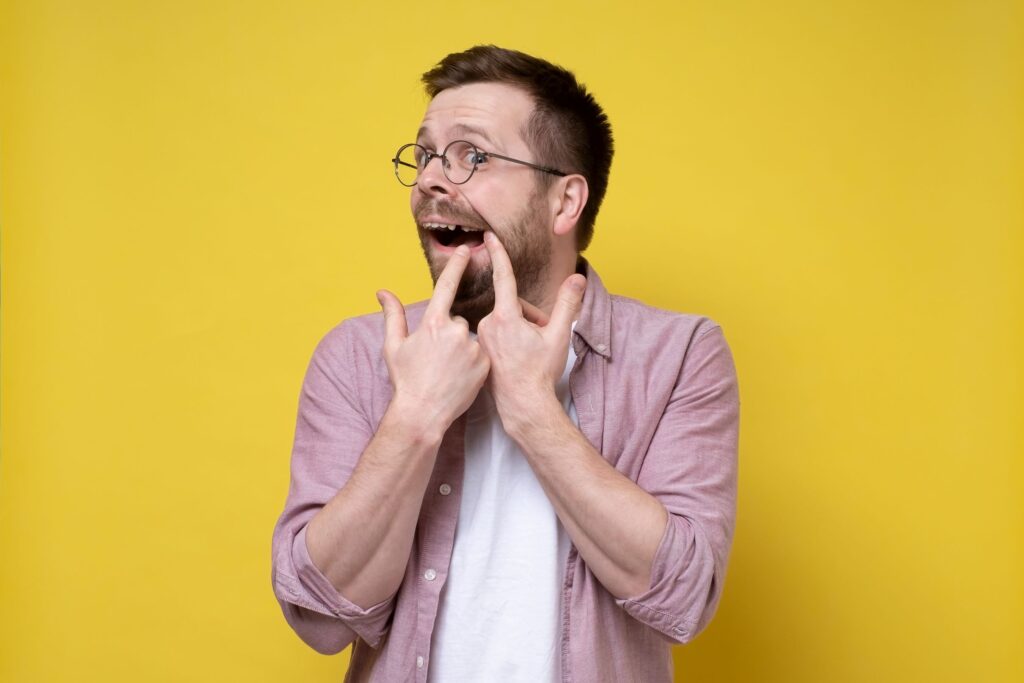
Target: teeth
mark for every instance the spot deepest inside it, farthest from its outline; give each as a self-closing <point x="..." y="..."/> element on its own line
<point x="447" y="226"/>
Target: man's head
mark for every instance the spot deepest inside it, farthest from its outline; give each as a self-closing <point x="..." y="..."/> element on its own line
<point x="567" y="128"/>
<point x="514" y="108"/>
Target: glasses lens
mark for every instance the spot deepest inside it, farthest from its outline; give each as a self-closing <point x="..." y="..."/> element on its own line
<point x="408" y="162"/>
<point x="462" y="158"/>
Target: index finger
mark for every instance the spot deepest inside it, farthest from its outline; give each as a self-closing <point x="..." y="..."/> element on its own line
<point x="505" y="293"/>
<point x="448" y="283"/>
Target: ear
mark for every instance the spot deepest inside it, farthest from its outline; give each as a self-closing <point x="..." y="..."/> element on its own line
<point x="572" y="194"/>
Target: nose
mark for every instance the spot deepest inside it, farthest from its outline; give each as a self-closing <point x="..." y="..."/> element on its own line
<point x="432" y="180"/>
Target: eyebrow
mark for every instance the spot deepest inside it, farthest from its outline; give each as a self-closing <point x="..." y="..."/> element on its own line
<point x="459" y="129"/>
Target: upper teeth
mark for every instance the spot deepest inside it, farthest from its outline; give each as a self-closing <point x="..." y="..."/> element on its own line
<point x="442" y="226"/>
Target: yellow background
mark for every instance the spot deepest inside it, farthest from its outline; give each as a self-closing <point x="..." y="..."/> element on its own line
<point x="194" y="192"/>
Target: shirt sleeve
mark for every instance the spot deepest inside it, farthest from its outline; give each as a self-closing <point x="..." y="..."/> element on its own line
<point x="331" y="433"/>
<point x="691" y="467"/>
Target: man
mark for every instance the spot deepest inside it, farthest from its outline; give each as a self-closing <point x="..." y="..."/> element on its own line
<point x="524" y="478"/>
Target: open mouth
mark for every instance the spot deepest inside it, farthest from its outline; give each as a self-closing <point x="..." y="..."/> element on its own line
<point x="448" y="235"/>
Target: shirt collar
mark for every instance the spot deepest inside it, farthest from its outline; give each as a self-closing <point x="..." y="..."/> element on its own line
<point x="595" y="320"/>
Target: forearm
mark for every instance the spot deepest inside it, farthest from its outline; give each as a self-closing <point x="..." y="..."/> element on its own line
<point x="615" y="525"/>
<point x="361" y="539"/>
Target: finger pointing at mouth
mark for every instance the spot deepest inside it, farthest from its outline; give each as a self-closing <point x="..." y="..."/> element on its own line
<point x="506" y="296"/>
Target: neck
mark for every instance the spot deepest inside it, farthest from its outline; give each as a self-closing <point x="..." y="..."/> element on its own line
<point x="560" y="269"/>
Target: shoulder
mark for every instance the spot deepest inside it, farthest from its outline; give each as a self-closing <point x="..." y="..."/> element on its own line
<point x="664" y="341"/>
<point x="689" y="348"/>
<point x="634" y="321"/>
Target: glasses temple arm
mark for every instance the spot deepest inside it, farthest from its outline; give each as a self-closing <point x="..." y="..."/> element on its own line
<point x="546" y="169"/>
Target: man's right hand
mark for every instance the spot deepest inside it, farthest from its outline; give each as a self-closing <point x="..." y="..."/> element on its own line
<point x="361" y="539"/>
<point x="438" y="370"/>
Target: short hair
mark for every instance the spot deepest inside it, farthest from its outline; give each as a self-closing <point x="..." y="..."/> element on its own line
<point x="568" y="130"/>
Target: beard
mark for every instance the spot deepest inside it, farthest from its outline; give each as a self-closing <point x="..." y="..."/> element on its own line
<point x="527" y="243"/>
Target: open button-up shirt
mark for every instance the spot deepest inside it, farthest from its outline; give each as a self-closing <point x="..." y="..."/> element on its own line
<point x="656" y="395"/>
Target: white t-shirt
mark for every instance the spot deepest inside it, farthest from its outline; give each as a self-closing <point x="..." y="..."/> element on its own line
<point x="500" y="612"/>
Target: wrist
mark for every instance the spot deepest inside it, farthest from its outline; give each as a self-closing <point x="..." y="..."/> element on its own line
<point x="412" y="423"/>
<point x="536" y="414"/>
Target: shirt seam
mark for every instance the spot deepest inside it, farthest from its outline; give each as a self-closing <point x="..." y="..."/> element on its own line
<point x="293" y="585"/>
<point x="708" y="331"/>
<point x="350" y="359"/>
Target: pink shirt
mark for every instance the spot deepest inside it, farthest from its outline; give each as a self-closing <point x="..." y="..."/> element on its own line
<point x="655" y="393"/>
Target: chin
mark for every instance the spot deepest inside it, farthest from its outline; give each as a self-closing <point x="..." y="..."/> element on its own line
<point x="474" y="308"/>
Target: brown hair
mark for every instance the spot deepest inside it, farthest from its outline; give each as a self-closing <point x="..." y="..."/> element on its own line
<point x="568" y="129"/>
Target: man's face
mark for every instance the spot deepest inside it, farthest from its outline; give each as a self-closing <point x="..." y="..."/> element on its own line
<point x="501" y="196"/>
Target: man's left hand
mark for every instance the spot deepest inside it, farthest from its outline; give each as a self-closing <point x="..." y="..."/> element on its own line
<point x="527" y="358"/>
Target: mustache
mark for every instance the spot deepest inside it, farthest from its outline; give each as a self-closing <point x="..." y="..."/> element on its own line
<point x="451" y="211"/>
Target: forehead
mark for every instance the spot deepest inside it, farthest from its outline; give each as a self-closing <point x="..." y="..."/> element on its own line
<point x="496" y="111"/>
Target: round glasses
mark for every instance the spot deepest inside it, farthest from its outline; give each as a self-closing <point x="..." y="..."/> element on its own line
<point x="458" y="161"/>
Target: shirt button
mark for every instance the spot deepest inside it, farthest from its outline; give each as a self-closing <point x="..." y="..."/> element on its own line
<point x="445" y="489"/>
<point x="419" y="662"/>
<point x="601" y="347"/>
<point x="430" y="575"/>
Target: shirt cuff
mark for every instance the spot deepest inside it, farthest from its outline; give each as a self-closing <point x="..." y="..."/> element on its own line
<point x="668" y="605"/>
<point x="370" y="623"/>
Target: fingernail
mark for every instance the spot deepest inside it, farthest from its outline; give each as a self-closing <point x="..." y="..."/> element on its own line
<point x="578" y="284"/>
<point x="462" y="250"/>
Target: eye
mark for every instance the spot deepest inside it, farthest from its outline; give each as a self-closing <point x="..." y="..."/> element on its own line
<point x="471" y="156"/>
<point x="465" y="154"/>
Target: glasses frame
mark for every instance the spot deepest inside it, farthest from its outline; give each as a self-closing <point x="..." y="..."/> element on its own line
<point x="445" y="164"/>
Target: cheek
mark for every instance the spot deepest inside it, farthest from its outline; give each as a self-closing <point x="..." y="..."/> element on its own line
<point x="494" y="205"/>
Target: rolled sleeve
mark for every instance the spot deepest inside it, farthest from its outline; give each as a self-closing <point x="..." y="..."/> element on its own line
<point x="691" y="467"/>
<point x="331" y="433"/>
<point x="309" y="588"/>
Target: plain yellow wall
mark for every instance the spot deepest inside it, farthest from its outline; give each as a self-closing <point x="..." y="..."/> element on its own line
<point x="192" y="193"/>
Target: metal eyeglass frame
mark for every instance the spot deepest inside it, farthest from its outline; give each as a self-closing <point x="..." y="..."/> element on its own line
<point x="478" y="156"/>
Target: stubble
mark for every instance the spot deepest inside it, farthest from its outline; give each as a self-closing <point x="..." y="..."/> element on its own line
<point x="524" y="237"/>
